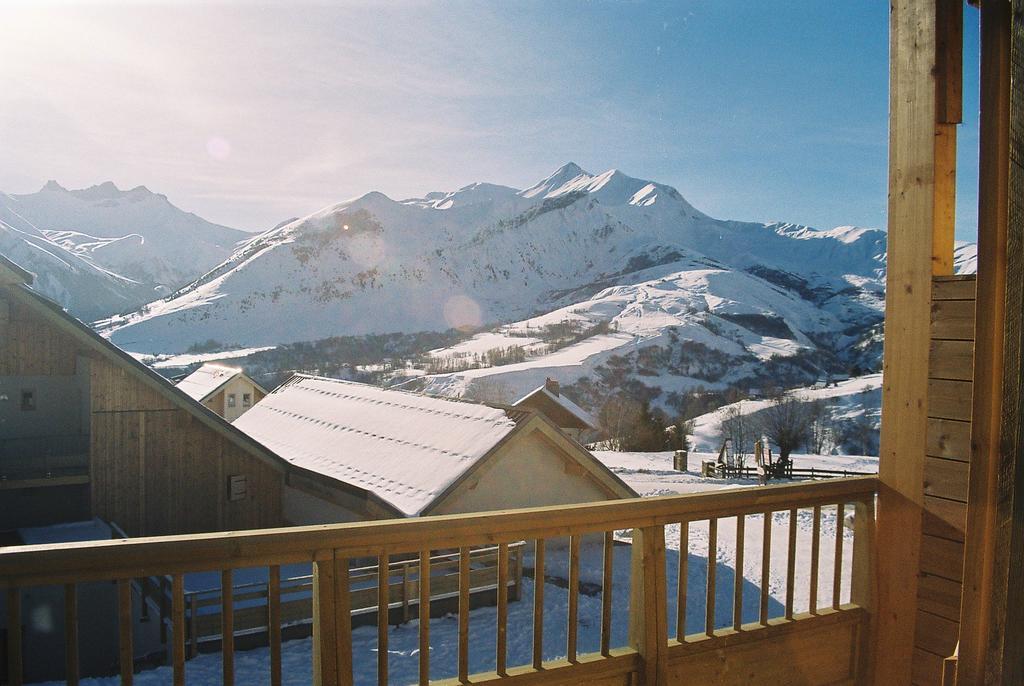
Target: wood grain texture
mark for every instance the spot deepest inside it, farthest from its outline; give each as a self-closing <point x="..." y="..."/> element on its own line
<point x="905" y="390"/>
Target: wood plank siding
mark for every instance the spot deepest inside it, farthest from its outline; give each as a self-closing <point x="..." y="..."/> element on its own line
<point x="946" y="465"/>
<point x="154" y="467"/>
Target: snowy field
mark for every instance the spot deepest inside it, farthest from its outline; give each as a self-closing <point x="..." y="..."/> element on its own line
<point x="651" y="475"/>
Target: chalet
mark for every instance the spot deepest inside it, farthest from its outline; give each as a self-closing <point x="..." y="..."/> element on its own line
<point x="369" y="452"/>
<point x="88" y="431"/>
<point x="563" y="413"/>
<point x="228" y="391"/>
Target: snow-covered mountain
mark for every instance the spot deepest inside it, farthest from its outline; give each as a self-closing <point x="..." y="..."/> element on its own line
<point x="146" y="244"/>
<point x="86" y="289"/>
<point x="487" y="253"/>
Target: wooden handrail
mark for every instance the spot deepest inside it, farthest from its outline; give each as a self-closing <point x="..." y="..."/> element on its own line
<point x="105" y="560"/>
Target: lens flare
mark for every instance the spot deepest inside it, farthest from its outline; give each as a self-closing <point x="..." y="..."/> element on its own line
<point x="462" y="312"/>
<point x="218" y="148"/>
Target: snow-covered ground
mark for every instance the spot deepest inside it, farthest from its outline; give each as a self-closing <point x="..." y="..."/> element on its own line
<point x="846" y="399"/>
<point x="650" y="474"/>
<point x="186" y="359"/>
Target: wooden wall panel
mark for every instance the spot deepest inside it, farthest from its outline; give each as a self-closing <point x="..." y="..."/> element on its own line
<point x="115" y="390"/>
<point x="29" y="346"/>
<point x="946" y="467"/>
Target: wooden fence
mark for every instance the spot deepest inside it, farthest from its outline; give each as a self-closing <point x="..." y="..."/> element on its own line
<point x="826" y="645"/>
<point x="252" y="601"/>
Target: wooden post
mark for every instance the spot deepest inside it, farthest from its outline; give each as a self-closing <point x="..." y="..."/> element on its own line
<point x="71" y="668"/>
<point x="648" y="622"/>
<point x="227" y="627"/>
<point x="949" y="28"/>
<point x="864" y="579"/>
<point x="325" y="637"/>
<point x="274" y="622"/>
<point x="989" y="614"/>
<point x="912" y="132"/>
<point x="124" y="626"/>
<point x="14" y="656"/>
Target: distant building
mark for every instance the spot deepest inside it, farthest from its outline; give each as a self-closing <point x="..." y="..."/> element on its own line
<point x="368" y="452"/>
<point x="563" y="413"/>
<point x="228" y="391"/>
<point x="88" y="431"/>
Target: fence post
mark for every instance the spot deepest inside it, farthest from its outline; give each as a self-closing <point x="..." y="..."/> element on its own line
<point x="863" y="579"/>
<point x="648" y="611"/>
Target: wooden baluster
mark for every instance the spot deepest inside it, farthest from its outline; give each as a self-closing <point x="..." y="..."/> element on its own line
<point x="193" y="619"/>
<point x="464" y="584"/>
<point x="178" y="629"/>
<point x="274" y="622"/>
<point x="71" y="668"/>
<point x="574" y="591"/>
<point x="227" y="627"/>
<point x="383" y="600"/>
<point x="737" y="588"/>
<point x="766" y="566"/>
<point x="501" y="658"/>
<point x="538" y="604"/>
<point x="837" y="569"/>
<point x="606" y="594"/>
<point x="405" y="593"/>
<point x="343" y="623"/>
<point x="709" y="615"/>
<point x="791" y="564"/>
<point x="424" y="612"/>
<point x="815" y="555"/>
<point x="124" y="626"/>
<point x="681" y="581"/>
<point x="164" y="614"/>
<point x="14" y="656"/>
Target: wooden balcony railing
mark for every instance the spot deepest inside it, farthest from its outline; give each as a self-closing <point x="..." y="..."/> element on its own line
<point x="825" y="644"/>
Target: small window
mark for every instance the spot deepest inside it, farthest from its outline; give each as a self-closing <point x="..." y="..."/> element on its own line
<point x="237" y="487"/>
<point x="28" y="400"/>
<point x="247" y="400"/>
<point x="231" y="399"/>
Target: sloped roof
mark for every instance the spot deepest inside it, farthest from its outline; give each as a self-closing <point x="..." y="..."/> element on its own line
<point x="403" y="447"/>
<point x="208" y="379"/>
<point x="543" y="393"/>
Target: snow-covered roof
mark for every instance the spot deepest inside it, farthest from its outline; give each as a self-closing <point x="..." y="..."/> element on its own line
<point x="403" y="447"/>
<point x="563" y="402"/>
<point x="206" y="380"/>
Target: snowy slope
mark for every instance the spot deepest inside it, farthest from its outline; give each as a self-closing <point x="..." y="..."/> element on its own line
<point x="487" y="253"/>
<point x="136" y="234"/>
<point x="85" y="288"/>
<point x="849" y="400"/>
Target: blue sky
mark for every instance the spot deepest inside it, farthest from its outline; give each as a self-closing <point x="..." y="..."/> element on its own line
<point x="250" y="114"/>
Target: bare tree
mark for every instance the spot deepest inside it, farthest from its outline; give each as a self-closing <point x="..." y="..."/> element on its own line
<point x="736" y="427"/>
<point x="821" y="432"/>
<point x="786" y="422"/>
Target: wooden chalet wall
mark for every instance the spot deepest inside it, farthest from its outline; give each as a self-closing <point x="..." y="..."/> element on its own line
<point x="154" y="468"/>
<point x="157" y="470"/>
<point x="946" y="464"/>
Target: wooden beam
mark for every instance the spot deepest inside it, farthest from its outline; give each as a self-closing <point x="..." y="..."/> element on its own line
<point x="912" y="132"/>
<point x="949" y="28"/>
<point x="977" y="619"/>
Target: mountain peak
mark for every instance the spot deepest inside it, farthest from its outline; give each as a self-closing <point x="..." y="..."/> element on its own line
<point x="52" y="185"/>
<point x="561" y="176"/>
